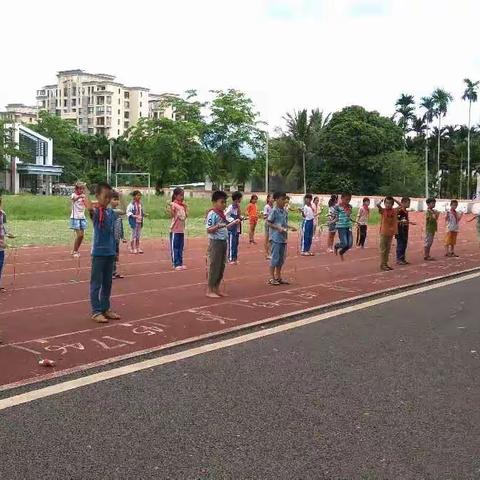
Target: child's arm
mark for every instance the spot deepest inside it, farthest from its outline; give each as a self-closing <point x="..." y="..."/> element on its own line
<point x="379" y="206"/>
<point x="472" y="219"/>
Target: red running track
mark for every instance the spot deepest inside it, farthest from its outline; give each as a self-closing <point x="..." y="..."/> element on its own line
<point x="45" y="311"/>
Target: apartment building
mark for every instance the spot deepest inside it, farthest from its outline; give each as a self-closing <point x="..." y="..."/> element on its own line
<point x="160" y="106"/>
<point x="96" y="103"/>
<point x="19" y="113"/>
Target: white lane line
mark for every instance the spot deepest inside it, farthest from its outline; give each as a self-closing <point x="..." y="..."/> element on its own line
<point x="175" y="357"/>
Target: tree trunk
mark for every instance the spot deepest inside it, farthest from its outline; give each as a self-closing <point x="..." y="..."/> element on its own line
<point x="426" y="163"/>
<point x="439" y="180"/>
<point x="468" y="148"/>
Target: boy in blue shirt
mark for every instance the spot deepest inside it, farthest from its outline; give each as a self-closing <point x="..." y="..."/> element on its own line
<point x="278" y="228"/>
<point x="103" y="253"/>
<point x="217" y="225"/>
<point x="232" y="213"/>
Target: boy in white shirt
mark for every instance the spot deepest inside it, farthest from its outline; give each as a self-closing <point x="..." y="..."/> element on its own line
<point x="78" y="222"/>
<point x="266" y="213"/>
<point x="307" y="226"/>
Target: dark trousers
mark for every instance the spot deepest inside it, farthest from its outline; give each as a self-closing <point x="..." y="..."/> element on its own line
<point x="307" y="236"/>
<point x="402" y="243"/>
<point x="101" y="283"/>
<point x="2" y="261"/>
<point x="117" y="257"/>
<point x="361" y="235"/>
<point x="177" y="241"/>
<point x="217" y="251"/>
<point x="233" y="241"/>
<point x="345" y="240"/>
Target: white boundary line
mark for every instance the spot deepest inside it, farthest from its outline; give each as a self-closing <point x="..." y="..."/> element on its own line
<point x="174" y="357"/>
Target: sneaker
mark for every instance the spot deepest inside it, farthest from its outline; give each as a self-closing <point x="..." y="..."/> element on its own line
<point x="178" y="269"/>
<point x="75" y="255"/>
<point x="268" y="257"/>
<point x="283" y="282"/>
<point x="272" y="281"/>
<point x="329" y="250"/>
<point x="110" y="315"/>
<point x="401" y="262"/>
<point x="140" y="251"/>
<point x="118" y="275"/>
<point x="184" y="267"/>
<point x="99" y="318"/>
<point x="429" y="259"/>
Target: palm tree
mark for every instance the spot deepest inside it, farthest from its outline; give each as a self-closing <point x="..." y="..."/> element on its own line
<point x="441" y="99"/>
<point x="469" y="94"/>
<point x="428" y="104"/>
<point x="405" y="109"/>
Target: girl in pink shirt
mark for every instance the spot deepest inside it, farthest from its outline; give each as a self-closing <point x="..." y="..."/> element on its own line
<point x="178" y="213"/>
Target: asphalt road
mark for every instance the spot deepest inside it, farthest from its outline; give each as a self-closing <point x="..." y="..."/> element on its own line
<point x="390" y="392"/>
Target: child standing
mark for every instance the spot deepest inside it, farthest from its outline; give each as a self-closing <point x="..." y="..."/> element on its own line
<point x="119" y="233"/>
<point x="452" y="221"/>
<point x="233" y="213"/>
<point x="317" y="210"/>
<point x="332" y="227"/>
<point x="252" y="214"/>
<point x="135" y="215"/>
<point x="477" y="218"/>
<point x="3" y="240"/>
<point x="178" y="214"/>
<point x="308" y="215"/>
<point x="343" y="222"/>
<point x="363" y="216"/>
<point x="217" y="225"/>
<point x="431" y="227"/>
<point x="278" y="225"/>
<point x="404" y="223"/>
<point x="78" y="222"/>
<point x="388" y="229"/>
<point x="103" y="254"/>
<point x="266" y="213"/>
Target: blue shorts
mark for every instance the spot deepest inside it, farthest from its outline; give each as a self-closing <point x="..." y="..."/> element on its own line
<point x="278" y="254"/>
<point x="78" y="224"/>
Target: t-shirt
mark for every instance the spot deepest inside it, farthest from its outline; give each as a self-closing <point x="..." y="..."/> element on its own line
<point x="78" y="207"/>
<point x="252" y="212"/>
<point x="104" y="243"/>
<point x="278" y="216"/>
<point x="3" y="230"/>
<point x="363" y="215"/>
<point x="453" y="220"/>
<point x="343" y="216"/>
<point x="431" y="223"/>
<point x="308" y="212"/>
<point x="331" y="213"/>
<point x="118" y="226"/>
<point x="213" y="218"/>
<point x="233" y="213"/>
<point x="389" y="221"/>
<point x="179" y="214"/>
<point x="403" y="225"/>
<point x="135" y="214"/>
<point x="267" y="210"/>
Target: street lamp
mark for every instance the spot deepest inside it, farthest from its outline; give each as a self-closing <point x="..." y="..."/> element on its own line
<point x="110" y="161"/>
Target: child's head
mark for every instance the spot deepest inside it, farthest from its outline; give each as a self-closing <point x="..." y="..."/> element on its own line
<point x="178" y="194"/>
<point x="253" y="199"/>
<point x="366" y="202"/>
<point x="280" y="198"/>
<point x="405" y="202"/>
<point x="333" y="200"/>
<point x="316" y="200"/>
<point x="219" y="199"/>
<point x="115" y="200"/>
<point x="103" y="193"/>
<point x="345" y="198"/>
<point x="431" y="203"/>
<point x="137" y="195"/>
<point x="237" y="197"/>
<point x="389" y="201"/>
<point x="307" y="199"/>
<point x="80" y="187"/>
<point x="269" y="199"/>
<point x="454" y="204"/>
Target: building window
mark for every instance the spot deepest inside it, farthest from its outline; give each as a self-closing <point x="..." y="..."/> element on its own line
<point x="109" y="100"/>
<point x="126" y="104"/>
<point x="125" y="125"/>
<point x="126" y="115"/>
<point x="58" y="113"/>
<point x="64" y="103"/>
<point x="74" y="110"/>
<point x="74" y="91"/>
<point x="118" y="132"/>
<point x="90" y="131"/>
<point x="65" y="92"/>
<point x="118" y="121"/>
<point x="119" y="101"/>
<point x="80" y="121"/>
<point x="101" y="121"/>
<point x="141" y="94"/>
<point x="140" y="104"/>
<point x="139" y="114"/>
<point x="119" y="92"/>
<point x="126" y="94"/>
<point x="100" y="100"/>
<point x="90" y="109"/>
<point x="79" y="111"/>
<point x="74" y="102"/>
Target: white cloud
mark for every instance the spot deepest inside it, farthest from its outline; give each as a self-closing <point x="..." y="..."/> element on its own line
<point x="287" y="54"/>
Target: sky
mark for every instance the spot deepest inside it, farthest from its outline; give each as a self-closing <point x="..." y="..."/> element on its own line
<point x="286" y="54"/>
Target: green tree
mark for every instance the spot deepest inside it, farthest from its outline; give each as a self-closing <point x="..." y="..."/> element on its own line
<point x="405" y="111"/>
<point x="471" y="95"/>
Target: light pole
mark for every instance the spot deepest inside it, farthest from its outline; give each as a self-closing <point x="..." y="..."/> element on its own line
<point x="426" y="165"/>
<point x="304" y="147"/>
<point x="110" y="161"/>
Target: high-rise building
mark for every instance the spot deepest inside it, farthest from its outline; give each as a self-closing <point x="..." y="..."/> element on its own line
<point x="19" y="113"/>
<point x="96" y="103"/>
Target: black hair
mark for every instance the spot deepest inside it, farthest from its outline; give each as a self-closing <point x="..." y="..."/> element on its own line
<point x="316" y="198"/>
<point x="253" y="197"/>
<point x="389" y="198"/>
<point x="135" y="193"/>
<point x="115" y="195"/>
<point x="176" y="191"/>
<point x="333" y="200"/>
<point x="430" y="200"/>
<point x="219" y="195"/>
<point x="365" y="199"/>
<point x="278" y="195"/>
<point x="345" y="194"/>
<point x="405" y="199"/>
<point x="237" y="196"/>
<point x="308" y="195"/>
<point x="100" y="186"/>
<point x="453" y="201"/>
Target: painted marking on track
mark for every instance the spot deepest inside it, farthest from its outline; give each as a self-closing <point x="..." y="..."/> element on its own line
<point x="166" y="359"/>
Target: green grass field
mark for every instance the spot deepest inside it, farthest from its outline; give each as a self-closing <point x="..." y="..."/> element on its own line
<point x="37" y="220"/>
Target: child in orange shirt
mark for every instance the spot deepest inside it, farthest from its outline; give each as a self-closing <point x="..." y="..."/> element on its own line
<point x="252" y="214"/>
<point x="388" y="229"/>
